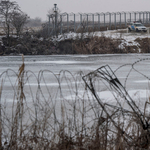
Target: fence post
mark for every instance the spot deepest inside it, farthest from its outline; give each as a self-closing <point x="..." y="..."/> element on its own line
<point x="130" y="17"/>
<point x="143" y="17"/>
<point x="104" y="20"/>
<point x="149" y="18"/>
<point x="55" y="24"/>
<point x="120" y="20"/>
<point x="110" y="20"/>
<point x="93" y="21"/>
<point x="146" y="17"/>
<point x="125" y="19"/>
<point x="99" y="21"/>
<point x="61" y="24"/>
<point x="80" y="19"/>
<point x="87" y="22"/>
<point x="135" y="16"/>
<point x="67" y="23"/>
<point x="74" y="23"/>
<point x="48" y="26"/>
<point x="115" y="19"/>
<point x="140" y="16"/>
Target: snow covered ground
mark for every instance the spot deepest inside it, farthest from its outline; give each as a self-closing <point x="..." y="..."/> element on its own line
<point x="128" y="38"/>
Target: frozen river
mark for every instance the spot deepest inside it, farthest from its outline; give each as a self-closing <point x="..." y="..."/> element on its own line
<point x="72" y="63"/>
<point x="86" y="63"/>
<point x="76" y="63"/>
<point x="44" y="94"/>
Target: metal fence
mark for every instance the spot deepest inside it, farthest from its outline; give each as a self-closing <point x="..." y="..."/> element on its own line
<point x="85" y="22"/>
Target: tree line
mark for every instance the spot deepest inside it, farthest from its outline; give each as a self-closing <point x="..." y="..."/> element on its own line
<point x="12" y="17"/>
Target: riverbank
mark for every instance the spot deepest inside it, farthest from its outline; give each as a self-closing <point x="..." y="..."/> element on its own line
<point x="107" y="42"/>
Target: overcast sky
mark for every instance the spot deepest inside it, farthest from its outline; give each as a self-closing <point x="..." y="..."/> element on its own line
<point x="39" y="8"/>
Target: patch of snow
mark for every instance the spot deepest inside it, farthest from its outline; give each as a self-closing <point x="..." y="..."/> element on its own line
<point x="141" y="81"/>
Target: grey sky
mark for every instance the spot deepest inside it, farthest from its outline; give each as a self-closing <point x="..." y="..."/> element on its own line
<point x="39" y="8"/>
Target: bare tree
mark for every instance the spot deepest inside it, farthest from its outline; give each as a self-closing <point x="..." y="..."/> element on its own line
<point x="18" y="20"/>
<point x="6" y="11"/>
<point x="36" y="22"/>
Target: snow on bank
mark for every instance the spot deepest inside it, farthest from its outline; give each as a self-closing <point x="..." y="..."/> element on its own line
<point x="127" y="38"/>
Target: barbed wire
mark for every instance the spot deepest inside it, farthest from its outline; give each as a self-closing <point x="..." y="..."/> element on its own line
<point x="46" y="105"/>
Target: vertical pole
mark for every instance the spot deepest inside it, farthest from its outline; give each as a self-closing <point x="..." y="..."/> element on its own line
<point x="104" y="20"/>
<point x="48" y="26"/>
<point x="146" y="17"/>
<point x="130" y="17"/>
<point x="143" y="17"/>
<point x="140" y="16"/>
<point x="87" y="22"/>
<point x="54" y="27"/>
<point x="149" y="18"/>
<point x="93" y="21"/>
<point x="55" y="10"/>
<point x="61" y="24"/>
<point x="80" y="19"/>
<point x="115" y="19"/>
<point x="125" y="19"/>
<point x="135" y="16"/>
<point x="74" y="23"/>
<point x="120" y="20"/>
<point x="56" y="24"/>
<point x="67" y="23"/>
<point x="99" y="21"/>
<point x="110" y="20"/>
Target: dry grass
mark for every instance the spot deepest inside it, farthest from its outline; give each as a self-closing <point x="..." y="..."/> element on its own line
<point x="144" y="44"/>
<point x="98" y="45"/>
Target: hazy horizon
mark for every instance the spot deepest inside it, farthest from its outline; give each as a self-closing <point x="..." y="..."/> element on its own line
<point x="39" y="8"/>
